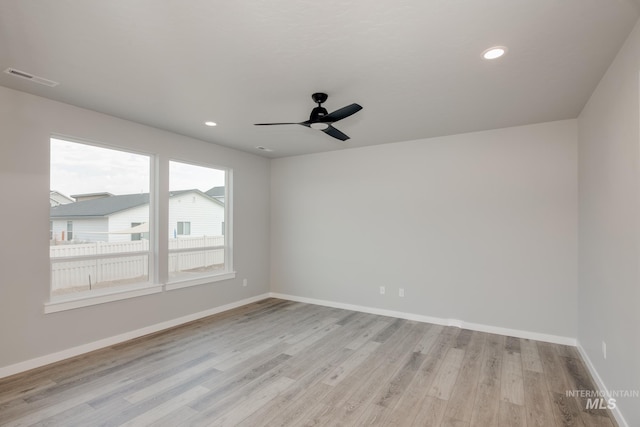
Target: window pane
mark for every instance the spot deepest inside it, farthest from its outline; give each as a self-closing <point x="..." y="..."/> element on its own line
<point x="99" y="221"/>
<point x="184" y="228"/>
<point x="69" y="231"/>
<point x="135" y="226"/>
<point x="196" y="218"/>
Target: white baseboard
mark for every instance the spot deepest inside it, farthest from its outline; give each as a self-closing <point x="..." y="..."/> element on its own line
<point x="435" y="320"/>
<point x="96" y="345"/>
<point x="106" y="342"/>
<point x="85" y="348"/>
<point x="600" y="384"/>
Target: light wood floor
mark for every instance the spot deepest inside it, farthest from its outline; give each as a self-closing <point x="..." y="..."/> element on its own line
<point x="278" y="363"/>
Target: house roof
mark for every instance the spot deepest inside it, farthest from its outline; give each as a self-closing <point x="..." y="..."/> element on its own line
<point x="415" y="66"/>
<point x="59" y="197"/>
<point x="103" y="206"/>
<point x="215" y="192"/>
<point x="106" y="206"/>
<point x="99" y="194"/>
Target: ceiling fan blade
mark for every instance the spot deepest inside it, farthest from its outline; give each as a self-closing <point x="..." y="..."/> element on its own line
<point x="342" y="113"/>
<point x="274" y="124"/>
<point x="331" y="131"/>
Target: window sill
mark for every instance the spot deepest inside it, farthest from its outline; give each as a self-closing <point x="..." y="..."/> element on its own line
<point x="99" y="297"/>
<point x="200" y="281"/>
<point x="108" y="295"/>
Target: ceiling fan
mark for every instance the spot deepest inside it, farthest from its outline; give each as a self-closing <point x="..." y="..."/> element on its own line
<point x="322" y="120"/>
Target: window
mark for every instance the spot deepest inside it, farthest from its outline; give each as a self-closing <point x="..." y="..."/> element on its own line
<point x="69" y="230"/>
<point x="135" y="226"/>
<point x="102" y="247"/>
<point x="94" y="245"/>
<point x="198" y="247"/>
<point x="184" y="228"/>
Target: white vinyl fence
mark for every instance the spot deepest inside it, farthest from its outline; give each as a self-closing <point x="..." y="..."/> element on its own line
<point x="184" y="253"/>
<point x="77" y="267"/>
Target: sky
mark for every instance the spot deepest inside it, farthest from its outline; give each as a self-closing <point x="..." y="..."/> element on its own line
<point x="81" y="168"/>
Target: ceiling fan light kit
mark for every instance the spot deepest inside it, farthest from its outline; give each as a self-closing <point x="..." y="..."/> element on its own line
<point x="319" y="125"/>
<point x="321" y="120"/>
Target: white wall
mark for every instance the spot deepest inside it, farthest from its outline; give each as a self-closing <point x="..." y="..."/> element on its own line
<point x="480" y="227"/>
<point x="122" y="221"/>
<point x="609" y="182"/>
<point x="83" y="230"/>
<point x="205" y="215"/>
<point x="26" y="124"/>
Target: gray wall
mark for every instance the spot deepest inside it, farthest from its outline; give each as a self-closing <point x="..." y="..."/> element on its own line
<point x="479" y="227"/>
<point x="609" y="182"/>
<point x="26" y="123"/>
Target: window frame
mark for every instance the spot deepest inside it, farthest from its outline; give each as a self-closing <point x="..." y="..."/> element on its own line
<point x="228" y="272"/>
<point x="180" y="228"/>
<point x="158" y="253"/>
<point x="74" y="300"/>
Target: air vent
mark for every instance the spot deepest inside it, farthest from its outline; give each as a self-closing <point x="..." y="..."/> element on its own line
<point x="30" y="77"/>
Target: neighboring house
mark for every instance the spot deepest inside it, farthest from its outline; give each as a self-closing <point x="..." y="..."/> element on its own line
<point x="56" y="198"/>
<point x="89" y="196"/>
<point x="124" y="217"/>
<point x="217" y="193"/>
<point x="194" y="213"/>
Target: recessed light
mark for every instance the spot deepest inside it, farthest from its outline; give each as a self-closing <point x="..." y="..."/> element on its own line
<point x="261" y="148"/>
<point x="210" y="123"/>
<point x="494" y="52"/>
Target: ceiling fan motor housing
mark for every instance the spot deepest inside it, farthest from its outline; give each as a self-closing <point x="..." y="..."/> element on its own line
<point x="317" y="114"/>
<point x="319" y="97"/>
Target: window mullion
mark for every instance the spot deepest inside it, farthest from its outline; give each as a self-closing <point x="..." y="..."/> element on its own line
<point x="161" y="218"/>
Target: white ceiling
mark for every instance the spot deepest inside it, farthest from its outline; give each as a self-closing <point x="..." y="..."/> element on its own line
<point x="414" y="65"/>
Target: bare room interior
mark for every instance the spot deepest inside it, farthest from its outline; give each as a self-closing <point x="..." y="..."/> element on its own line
<point x="320" y="213"/>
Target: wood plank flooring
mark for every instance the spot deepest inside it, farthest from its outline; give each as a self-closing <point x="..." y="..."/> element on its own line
<point x="282" y="363"/>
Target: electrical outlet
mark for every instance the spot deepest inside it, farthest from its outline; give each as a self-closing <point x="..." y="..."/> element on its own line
<point x="401" y="292"/>
<point x="382" y="290"/>
<point x="604" y="349"/>
<point x="244" y="282"/>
